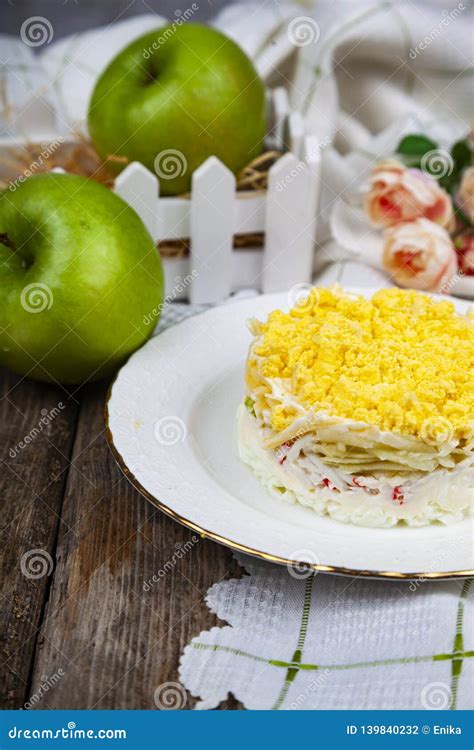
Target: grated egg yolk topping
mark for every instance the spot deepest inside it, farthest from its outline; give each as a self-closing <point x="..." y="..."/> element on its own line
<point x="394" y="361"/>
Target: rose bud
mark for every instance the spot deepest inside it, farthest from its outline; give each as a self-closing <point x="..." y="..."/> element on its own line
<point x="464" y="245"/>
<point x="465" y="194"/>
<point x="420" y="255"/>
<point x="399" y="194"/>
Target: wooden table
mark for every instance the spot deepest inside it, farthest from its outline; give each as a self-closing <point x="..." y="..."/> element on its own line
<point x="88" y="630"/>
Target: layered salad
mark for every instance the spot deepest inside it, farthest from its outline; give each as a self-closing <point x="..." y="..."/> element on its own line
<point x="363" y="409"/>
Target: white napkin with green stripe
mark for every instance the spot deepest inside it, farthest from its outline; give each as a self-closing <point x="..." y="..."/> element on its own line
<point x="300" y="641"/>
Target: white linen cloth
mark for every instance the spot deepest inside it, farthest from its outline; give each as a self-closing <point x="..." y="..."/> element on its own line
<point x="352" y="65"/>
<point x="322" y="641"/>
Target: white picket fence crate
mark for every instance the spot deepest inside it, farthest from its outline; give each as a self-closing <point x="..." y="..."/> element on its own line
<point x="215" y="212"/>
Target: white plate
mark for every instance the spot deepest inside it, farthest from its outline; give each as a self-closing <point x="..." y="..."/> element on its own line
<point x="171" y="415"/>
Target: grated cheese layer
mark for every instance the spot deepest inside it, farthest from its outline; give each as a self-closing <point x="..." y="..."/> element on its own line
<point x="399" y="361"/>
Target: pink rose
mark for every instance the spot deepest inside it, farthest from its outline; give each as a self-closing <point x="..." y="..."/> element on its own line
<point x="420" y="254"/>
<point x="464" y="245"/>
<point x="465" y="195"/>
<point x="399" y="194"/>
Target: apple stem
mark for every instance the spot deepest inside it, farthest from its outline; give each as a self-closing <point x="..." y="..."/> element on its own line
<point x="5" y="240"/>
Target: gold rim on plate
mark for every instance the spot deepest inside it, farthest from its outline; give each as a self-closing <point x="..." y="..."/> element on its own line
<point x="206" y="534"/>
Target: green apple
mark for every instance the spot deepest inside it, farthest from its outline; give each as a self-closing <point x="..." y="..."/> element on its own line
<point x="176" y="96"/>
<point x="81" y="282"/>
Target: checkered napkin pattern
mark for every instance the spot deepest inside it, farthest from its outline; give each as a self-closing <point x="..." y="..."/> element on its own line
<point x="299" y="641"/>
<point x="175" y="313"/>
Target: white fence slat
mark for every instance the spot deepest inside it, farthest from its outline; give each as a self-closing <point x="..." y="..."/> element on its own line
<point x="269" y="140"/>
<point x="176" y="270"/>
<point x="270" y="58"/>
<point x="174" y="215"/>
<point x="249" y="212"/>
<point x="290" y="220"/>
<point x="246" y="268"/>
<point x="213" y="194"/>
<point x="295" y="133"/>
<point x="173" y="218"/>
<point x="312" y="149"/>
<point x="281" y="109"/>
<point x="246" y="273"/>
<point x="286" y="213"/>
<point x="140" y="189"/>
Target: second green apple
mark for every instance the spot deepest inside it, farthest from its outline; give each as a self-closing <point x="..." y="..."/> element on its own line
<point x="173" y="98"/>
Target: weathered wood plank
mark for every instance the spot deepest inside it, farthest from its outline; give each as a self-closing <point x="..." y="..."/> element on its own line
<point x="115" y="638"/>
<point x="37" y="424"/>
